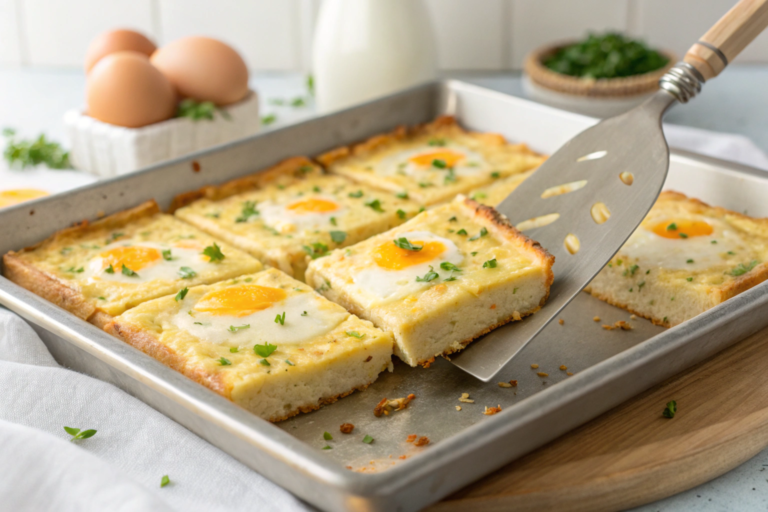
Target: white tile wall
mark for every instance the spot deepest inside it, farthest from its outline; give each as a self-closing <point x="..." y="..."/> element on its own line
<point x="277" y="34"/>
<point x="57" y="32"/>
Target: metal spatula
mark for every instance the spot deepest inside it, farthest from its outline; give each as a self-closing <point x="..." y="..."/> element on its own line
<point x="588" y="198"/>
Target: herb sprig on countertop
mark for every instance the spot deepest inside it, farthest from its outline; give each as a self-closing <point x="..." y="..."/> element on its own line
<point x="197" y="110"/>
<point x="609" y="55"/>
<point x="29" y="153"/>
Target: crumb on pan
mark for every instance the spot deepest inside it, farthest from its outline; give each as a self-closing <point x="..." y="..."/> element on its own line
<point x="561" y="321"/>
<point x="422" y="441"/>
<point x="490" y="411"/>
<point x="542" y="374"/>
<point x="458" y="407"/>
<point x="346" y="428"/>
<point x="563" y="367"/>
<point x="505" y="385"/>
<point x="534" y="366"/>
<point x="465" y="398"/>
<point x="633" y="317"/>
<point x="397" y="404"/>
<point x="411" y="438"/>
<point x="621" y="324"/>
<point x="569" y="374"/>
<point x="596" y="319"/>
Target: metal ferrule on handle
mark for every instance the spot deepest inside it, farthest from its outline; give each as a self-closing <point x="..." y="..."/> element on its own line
<point x="683" y="81"/>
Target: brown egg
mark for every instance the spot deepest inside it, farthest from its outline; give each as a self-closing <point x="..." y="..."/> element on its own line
<point x="125" y="89"/>
<point x="121" y="40"/>
<point x="204" y="69"/>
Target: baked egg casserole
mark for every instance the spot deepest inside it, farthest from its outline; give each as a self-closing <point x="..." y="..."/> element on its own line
<point x="101" y="269"/>
<point x="442" y="279"/>
<point x="433" y="162"/>
<point x="264" y="341"/>
<point x="685" y="258"/>
<point x="288" y="225"/>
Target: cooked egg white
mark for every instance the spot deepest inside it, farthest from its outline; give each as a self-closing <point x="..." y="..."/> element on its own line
<point x="308" y="212"/>
<point x="392" y="272"/>
<point x="148" y="260"/>
<point x="246" y="315"/>
<point x="419" y="162"/>
<point x="684" y="243"/>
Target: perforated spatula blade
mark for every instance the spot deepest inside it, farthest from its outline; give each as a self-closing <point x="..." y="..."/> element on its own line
<point x="586" y="200"/>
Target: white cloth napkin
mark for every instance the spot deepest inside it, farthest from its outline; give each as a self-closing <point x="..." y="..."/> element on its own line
<point x="121" y="466"/>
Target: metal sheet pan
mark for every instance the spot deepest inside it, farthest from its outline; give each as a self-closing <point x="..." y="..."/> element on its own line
<point x="609" y="366"/>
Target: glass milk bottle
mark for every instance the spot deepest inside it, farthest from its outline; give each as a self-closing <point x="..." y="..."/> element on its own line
<point x="368" y="48"/>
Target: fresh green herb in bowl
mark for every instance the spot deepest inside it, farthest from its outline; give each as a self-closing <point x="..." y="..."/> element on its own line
<point x="609" y="55"/>
<point x="29" y="153"/>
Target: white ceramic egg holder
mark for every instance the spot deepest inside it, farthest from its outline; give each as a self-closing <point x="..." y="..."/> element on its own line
<point x="108" y="150"/>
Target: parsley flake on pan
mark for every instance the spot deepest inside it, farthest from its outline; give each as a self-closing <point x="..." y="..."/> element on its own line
<point x="671" y="409"/>
<point x="367" y="439"/>
<point x="78" y="434"/>
<point x="223" y="361"/>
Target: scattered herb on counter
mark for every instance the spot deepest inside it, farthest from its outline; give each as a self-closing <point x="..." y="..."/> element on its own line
<point x="29" y="153"/>
<point x="268" y="119"/>
<point x="609" y="55"/>
<point x="338" y="236"/>
<point x="367" y="439"/>
<point x="77" y="434"/>
<point x="182" y="293"/>
<point x="214" y="253"/>
<point x="327" y="447"/>
<point x="403" y="243"/>
<point x="671" y="409"/>
<point x="327" y="436"/>
<point x="197" y="110"/>
<point x="264" y="350"/>
<point x="280" y="319"/>
<point x="164" y="481"/>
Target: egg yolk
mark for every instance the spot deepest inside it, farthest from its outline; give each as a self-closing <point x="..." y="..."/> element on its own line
<point x="239" y="300"/>
<point x="450" y="158"/>
<point x="313" y="205"/>
<point x="392" y="257"/>
<point x="11" y="197"/>
<point x="677" y="229"/>
<point x="135" y="258"/>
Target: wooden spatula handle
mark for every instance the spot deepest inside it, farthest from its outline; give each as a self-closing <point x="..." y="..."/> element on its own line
<point x="728" y="37"/>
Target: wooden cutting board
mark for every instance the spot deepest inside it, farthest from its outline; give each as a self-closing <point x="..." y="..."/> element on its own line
<point x="632" y="455"/>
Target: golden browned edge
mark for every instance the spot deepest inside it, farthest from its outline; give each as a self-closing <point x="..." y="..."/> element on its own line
<point x="741" y="284"/>
<point x="244" y="184"/>
<point x="604" y="87"/>
<point x="52" y="289"/>
<point x="401" y="133"/>
<point x="488" y="215"/>
<point x="150" y="345"/>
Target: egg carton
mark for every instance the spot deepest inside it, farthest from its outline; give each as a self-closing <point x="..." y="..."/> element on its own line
<point x="108" y="150"/>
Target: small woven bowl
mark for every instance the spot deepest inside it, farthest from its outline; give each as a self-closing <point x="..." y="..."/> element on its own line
<point x="602" y="97"/>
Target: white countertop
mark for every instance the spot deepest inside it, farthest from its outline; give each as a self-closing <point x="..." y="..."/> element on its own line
<point x="34" y="100"/>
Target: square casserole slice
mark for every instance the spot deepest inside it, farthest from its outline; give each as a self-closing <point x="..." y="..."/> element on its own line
<point x="685" y="258"/>
<point x="433" y="162"/>
<point x="99" y="270"/>
<point x="294" y="212"/>
<point x="264" y="341"/>
<point x="442" y="279"/>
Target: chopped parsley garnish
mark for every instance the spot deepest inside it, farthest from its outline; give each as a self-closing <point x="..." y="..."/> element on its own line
<point x="742" y="269"/>
<point x="689" y="279"/>
<point x="401" y="214"/>
<point x="164" y="481"/>
<point x="77" y="434"/>
<point x="338" y="236"/>
<point x="462" y="231"/>
<point x="223" y="361"/>
<point x="631" y="270"/>
<point x="436" y="142"/>
<point x="490" y="263"/>
<point x="671" y="409"/>
<point x="447" y="265"/>
<point x="429" y="276"/>
<point x="357" y="194"/>
<point x="482" y="233"/>
<point x="367" y="439"/>
<point x="289" y="363"/>
<point x="235" y="328"/>
<point x="327" y="447"/>
<point x="214" y="253"/>
<point x="264" y="350"/>
<point x="689" y="261"/>
<point x="249" y="210"/>
<point x="213" y="215"/>
<point x="75" y="270"/>
<point x="453" y="219"/>
<point x="182" y="293"/>
<point x="439" y="163"/>
<point x="264" y="362"/>
<point x="316" y="189"/>
<point x="450" y="177"/>
<point x="672" y="227"/>
<point x="713" y="242"/>
<point x="354" y="334"/>
<point x="452" y="278"/>
<point x="167" y="255"/>
<point x="102" y="298"/>
<point x="114" y="236"/>
<point x="332" y="220"/>
<point x="640" y="285"/>
<point x="187" y="273"/>
<point x="128" y="272"/>
<point x="403" y="243"/>
<point x="268" y="119"/>
<point x="317" y="250"/>
<point x="327" y="436"/>
<point x="280" y="319"/>
<point x="479" y="195"/>
<point x="65" y="251"/>
<point x="731" y="253"/>
<point x="514" y="291"/>
<point x="495" y="174"/>
<point x="375" y="205"/>
<point x="473" y="253"/>
<point x="683" y="235"/>
<point x="402" y="195"/>
<point x="424" y="184"/>
<point x="109" y="270"/>
<point x="234" y="350"/>
<point x="304" y="313"/>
